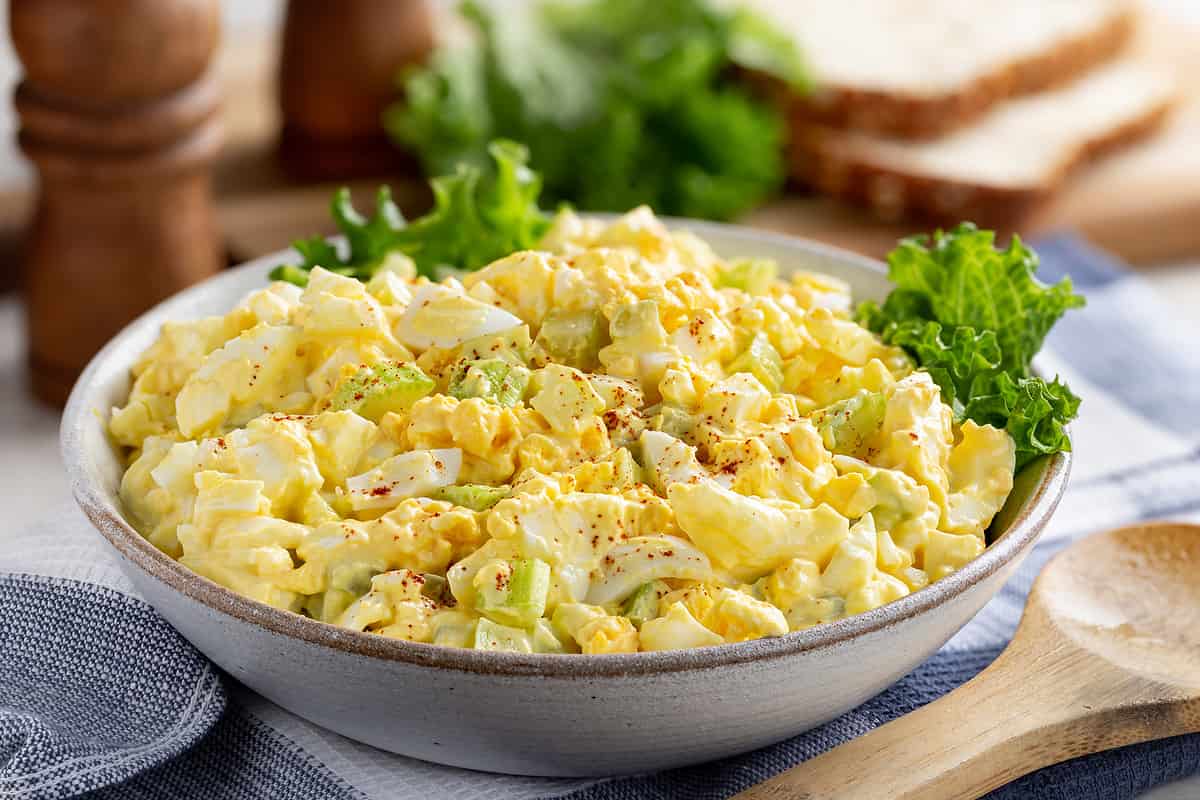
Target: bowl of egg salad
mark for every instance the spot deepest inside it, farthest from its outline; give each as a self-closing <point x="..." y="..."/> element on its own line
<point x="646" y="495"/>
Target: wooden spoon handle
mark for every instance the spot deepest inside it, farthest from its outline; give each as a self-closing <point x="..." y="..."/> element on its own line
<point x="1104" y="657"/>
<point x="1022" y="713"/>
<point x="958" y="746"/>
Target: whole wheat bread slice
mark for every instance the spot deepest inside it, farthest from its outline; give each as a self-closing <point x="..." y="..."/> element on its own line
<point x="997" y="170"/>
<point x="921" y="68"/>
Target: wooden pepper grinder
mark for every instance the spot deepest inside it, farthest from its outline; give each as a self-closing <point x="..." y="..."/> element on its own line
<point x="337" y="74"/>
<point x="119" y="116"/>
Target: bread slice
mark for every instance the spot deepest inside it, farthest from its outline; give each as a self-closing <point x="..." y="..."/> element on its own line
<point x="921" y="68"/>
<point x="998" y="169"/>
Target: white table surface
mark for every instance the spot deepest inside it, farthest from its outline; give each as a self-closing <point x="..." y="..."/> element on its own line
<point x="31" y="478"/>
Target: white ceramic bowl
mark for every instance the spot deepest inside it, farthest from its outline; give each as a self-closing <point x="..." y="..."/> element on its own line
<point x="539" y="714"/>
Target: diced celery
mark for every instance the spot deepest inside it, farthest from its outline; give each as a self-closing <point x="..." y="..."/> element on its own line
<point x="642" y="605"/>
<point x="545" y="640"/>
<point x="494" y="636"/>
<point x="511" y="390"/>
<point x="374" y="390"/>
<point x="513" y="593"/>
<point x="636" y="319"/>
<point x="354" y="577"/>
<point x="436" y="588"/>
<point x="454" y="629"/>
<point x="347" y="583"/>
<point x="848" y="426"/>
<point x="816" y="612"/>
<point x="492" y="379"/>
<point x="675" y="422"/>
<point x="574" y="338"/>
<point x="314" y="606"/>
<point x="475" y="496"/>
<point x="753" y="276"/>
<point x="761" y="360"/>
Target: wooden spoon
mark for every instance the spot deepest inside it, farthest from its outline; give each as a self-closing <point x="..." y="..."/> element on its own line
<point x="1107" y="654"/>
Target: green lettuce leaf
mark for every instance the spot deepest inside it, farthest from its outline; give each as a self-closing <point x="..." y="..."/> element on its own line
<point x="961" y="278"/>
<point x="1035" y="413"/>
<point x="446" y="108"/>
<point x="620" y="102"/>
<point x="974" y="316"/>
<point x="955" y="361"/>
<point x="478" y="216"/>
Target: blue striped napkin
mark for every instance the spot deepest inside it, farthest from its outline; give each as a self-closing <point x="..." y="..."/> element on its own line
<point x="100" y="698"/>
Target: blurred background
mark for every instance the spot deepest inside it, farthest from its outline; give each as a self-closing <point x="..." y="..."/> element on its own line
<point x="248" y="24"/>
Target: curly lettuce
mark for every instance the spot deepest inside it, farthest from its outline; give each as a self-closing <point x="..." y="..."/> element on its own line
<point x="974" y="316"/>
<point x="620" y="102"/>
<point x="479" y="215"/>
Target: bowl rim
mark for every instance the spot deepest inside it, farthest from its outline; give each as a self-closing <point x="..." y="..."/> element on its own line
<point x="134" y="548"/>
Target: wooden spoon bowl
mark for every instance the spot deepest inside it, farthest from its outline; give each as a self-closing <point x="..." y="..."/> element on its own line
<point x="1107" y="654"/>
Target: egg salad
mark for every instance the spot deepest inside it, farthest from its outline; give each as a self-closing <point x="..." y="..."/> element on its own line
<point x="618" y="442"/>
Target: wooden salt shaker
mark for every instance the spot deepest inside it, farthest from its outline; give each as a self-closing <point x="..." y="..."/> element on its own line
<point x="337" y="74"/>
<point x="119" y="116"/>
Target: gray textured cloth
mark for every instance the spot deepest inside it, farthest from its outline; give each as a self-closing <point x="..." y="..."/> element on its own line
<point x="97" y="689"/>
<point x="99" y="696"/>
